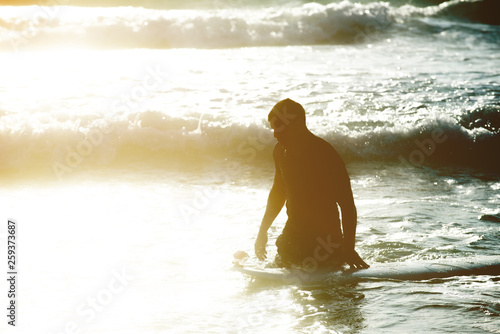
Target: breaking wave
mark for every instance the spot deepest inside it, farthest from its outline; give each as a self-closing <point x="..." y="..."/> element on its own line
<point x="308" y="24"/>
<point x="157" y="140"/>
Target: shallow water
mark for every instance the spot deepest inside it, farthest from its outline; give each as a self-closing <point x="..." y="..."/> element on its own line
<point x="174" y="250"/>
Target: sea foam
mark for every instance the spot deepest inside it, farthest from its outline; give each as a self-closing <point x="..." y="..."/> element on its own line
<point x="158" y="140"/>
<point x="308" y="24"/>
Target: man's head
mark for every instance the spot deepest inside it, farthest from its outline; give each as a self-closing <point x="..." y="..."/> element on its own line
<point x="287" y="119"/>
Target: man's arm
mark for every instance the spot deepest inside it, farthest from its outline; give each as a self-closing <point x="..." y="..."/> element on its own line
<point x="349" y="222"/>
<point x="275" y="202"/>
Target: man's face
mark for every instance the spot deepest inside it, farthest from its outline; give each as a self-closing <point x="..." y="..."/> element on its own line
<point x="281" y="132"/>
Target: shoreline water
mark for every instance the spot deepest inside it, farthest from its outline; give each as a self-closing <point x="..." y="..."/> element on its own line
<point x="174" y="236"/>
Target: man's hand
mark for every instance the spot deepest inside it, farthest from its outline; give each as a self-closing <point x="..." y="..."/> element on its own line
<point x="353" y="259"/>
<point x="260" y="246"/>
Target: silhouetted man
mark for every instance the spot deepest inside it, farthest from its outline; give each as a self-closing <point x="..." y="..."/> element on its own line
<point x="312" y="179"/>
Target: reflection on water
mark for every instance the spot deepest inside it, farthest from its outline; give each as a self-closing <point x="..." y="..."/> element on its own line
<point x="330" y="308"/>
<point x="181" y="269"/>
<point x="334" y="308"/>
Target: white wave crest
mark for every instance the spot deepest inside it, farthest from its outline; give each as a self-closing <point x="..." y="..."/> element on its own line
<point x="128" y="27"/>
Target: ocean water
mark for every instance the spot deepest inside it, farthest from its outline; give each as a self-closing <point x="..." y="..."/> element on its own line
<point x="136" y="157"/>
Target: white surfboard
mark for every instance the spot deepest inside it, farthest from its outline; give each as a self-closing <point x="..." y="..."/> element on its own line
<point x="421" y="270"/>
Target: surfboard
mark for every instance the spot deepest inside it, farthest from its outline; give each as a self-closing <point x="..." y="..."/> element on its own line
<point x="421" y="270"/>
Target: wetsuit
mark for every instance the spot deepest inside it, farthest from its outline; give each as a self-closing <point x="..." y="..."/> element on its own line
<point x="314" y="179"/>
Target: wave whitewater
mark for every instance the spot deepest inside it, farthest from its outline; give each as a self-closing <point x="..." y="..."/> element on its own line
<point x="156" y="140"/>
<point x="309" y="24"/>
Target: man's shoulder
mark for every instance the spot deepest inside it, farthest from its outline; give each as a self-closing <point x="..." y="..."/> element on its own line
<point x="326" y="149"/>
<point x="322" y="144"/>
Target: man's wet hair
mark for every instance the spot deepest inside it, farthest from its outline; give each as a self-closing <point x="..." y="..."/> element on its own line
<point x="287" y="111"/>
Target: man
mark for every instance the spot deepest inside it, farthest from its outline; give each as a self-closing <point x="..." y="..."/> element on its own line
<point x="312" y="179"/>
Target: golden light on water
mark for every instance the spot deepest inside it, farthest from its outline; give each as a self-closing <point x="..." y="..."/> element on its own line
<point x="54" y="75"/>
<point x="93" y="230"/>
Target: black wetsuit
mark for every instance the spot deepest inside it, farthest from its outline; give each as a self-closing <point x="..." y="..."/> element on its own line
<point x="314" y="181"/>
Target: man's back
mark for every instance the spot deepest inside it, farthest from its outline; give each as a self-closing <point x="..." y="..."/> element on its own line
<point x="313" y="180"/>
